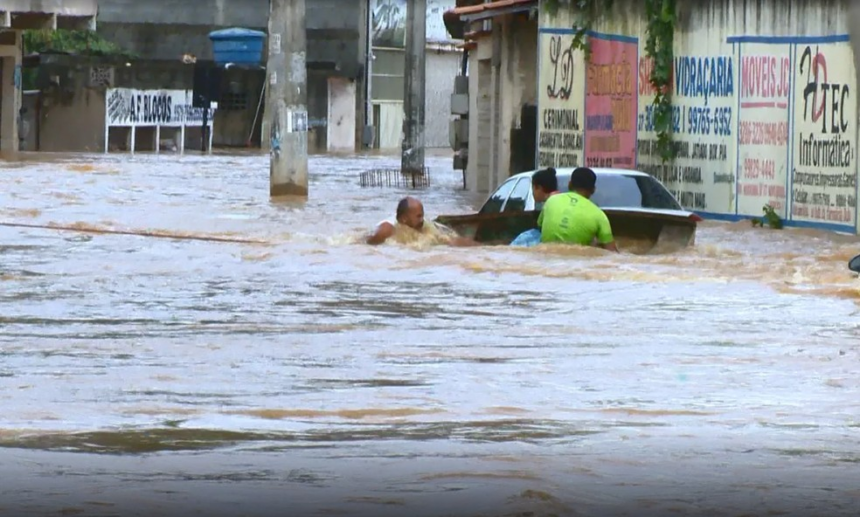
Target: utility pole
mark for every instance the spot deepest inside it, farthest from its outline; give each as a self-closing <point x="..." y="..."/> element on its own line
<point x="412" y="159"/>
<point x="286" y="99"/>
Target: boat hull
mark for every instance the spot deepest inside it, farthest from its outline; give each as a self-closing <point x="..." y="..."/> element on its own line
<point x="637" y="231"/>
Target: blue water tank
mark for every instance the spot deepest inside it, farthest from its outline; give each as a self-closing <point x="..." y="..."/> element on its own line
<point x="239" y="46"/>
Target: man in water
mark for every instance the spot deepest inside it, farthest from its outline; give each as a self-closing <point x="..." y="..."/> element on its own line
<point x="410" y="218"/>
<point x="573" y="218"/>
<point x="544" y="185"/>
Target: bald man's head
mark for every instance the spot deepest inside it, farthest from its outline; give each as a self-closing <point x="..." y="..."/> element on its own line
<point x="410" y="212"/>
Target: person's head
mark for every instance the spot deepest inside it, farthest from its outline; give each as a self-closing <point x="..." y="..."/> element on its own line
<point x="583" y="181"/>
<point x="544" y="183"/>
<point x="410" y="212"/>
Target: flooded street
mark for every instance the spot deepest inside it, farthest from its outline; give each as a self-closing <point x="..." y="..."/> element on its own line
<point x="310" y="375"/>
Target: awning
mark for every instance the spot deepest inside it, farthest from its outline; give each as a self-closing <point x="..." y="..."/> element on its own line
<point x="457" y="18"/>
<point x="488" y="10"/>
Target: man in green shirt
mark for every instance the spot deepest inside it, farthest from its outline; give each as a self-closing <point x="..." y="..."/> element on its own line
<point x="572" y="218"/>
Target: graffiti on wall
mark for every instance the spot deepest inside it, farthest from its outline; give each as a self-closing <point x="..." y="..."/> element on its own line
<point x="388" y="22"/>
<point x="611" y="103"/>
<point x="562" y="103"/>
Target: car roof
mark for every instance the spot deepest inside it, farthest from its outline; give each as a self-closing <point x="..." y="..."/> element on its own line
<point x="599" y="171"/>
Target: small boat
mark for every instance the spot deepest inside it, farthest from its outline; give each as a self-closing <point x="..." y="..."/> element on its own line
<point x="854" y="264"/>
<point x="634" y="230"/>
<point x="645" y="217"/>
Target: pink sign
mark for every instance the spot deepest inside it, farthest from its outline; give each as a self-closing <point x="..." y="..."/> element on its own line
<point x="611" y="102"/>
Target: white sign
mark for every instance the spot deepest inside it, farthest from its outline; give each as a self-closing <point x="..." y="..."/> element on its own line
<point x="127" y="107"/>
<point x="131" y="108"/>
<point x="297" y="121"/>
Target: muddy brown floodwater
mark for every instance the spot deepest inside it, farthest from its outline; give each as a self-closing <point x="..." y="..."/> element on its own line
<point x="313" y="376"/>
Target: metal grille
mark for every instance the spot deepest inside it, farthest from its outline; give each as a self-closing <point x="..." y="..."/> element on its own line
<point x="101" y="76"/>
<point x="395" y="178"/>
<point x="233" y="101"/>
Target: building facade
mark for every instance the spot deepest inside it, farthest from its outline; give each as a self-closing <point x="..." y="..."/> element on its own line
<point x="175" y="30"/>
<point x="499" y="124"/>
<point x="19" y="15"/>
<point x="764" y="111"/>
<point x="443" y="63"/>
<point x="764" y="106"/>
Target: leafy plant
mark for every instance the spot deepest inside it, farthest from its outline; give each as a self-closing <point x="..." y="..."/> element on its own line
<point x="71" y="41"/>
<point x="771" y="218"/>
<point x="659" y="46"/>
<point x="587" y="13"/>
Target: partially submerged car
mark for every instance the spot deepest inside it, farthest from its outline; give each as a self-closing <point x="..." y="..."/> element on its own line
<point x="642" y="212"/>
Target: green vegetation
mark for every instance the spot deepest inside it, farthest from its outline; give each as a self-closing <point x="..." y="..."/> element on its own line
<point x="770" y="218"/>
<point x="86" y="43"/>
<point x="659" y="46"/>
<point x="587" y="12"/>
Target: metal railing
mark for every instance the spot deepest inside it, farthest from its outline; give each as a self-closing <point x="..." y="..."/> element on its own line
<point x="396" y="178"/>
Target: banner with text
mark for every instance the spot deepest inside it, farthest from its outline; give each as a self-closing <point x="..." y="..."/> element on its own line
<point x="702" y="175"/>
<point x="561" y="100"/>
<point x="824" y="164"/>
<point x="141" y="108"/>
<point x="611" y="102"/>
<point x="764" y="118"/>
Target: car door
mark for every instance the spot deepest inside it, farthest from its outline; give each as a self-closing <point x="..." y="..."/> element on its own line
<point x="496" y="202"/>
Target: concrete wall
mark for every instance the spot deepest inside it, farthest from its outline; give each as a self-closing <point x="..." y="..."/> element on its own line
<point x="70" y="99"/>
<point x="442" y="68"/>
<point x="241" y="13"/>
<point x="84" y="110"/>
<point x="10" y="90"/>
<point x="765" y="106"/>
<point x="167" y="29"/>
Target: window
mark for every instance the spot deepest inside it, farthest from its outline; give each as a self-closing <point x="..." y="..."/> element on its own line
<point x="519" y="196"/>
<point x="495" y="202"/>
<point x="388" y="71"/>
<point x="655" y="195"/>
<point x="624" y="191"/>
<point x="617" y="191"/>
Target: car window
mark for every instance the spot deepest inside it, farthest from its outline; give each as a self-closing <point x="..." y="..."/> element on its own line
<point x="655" y="195"/>
<point x="519" y="196"/>
<point x="617" y="190"/>
<point x="620" y="190"/>
<point x="497" y="199"/>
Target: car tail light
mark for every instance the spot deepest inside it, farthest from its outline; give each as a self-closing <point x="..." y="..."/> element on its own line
<point x="696" y="218"/>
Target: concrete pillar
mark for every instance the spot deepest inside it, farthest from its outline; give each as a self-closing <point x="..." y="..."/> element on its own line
<point x="286" y="99"/>
<point x="412" y="159"/>
<point x="10" y="90"/>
